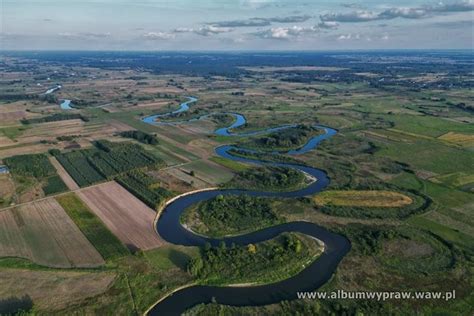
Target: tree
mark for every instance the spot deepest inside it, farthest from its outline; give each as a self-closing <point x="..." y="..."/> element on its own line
<point x="251" y="248"/>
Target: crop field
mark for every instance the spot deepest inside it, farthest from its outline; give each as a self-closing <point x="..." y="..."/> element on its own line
<point x="106" y="160"/>
<point x="400" y="169"/>
<point x="362" y="198"/>
<point x="66" y="178"/>
<point x="126" y="216"/>
<point x="7" y="189"/>
<point x="95" y="231"/>
<point x="465" y="140"/>
<point x="144" y="187"/>
<point x="53" y="290"/>
<point x="34" y="173"/>
<point x="207" y="171"/>
<point x="43" y="233"/>
<point x="36" y="138"/>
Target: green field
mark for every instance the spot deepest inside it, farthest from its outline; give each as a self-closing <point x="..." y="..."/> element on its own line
<point x="95" y="231"/>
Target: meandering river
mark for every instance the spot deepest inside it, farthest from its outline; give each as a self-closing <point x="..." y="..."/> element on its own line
<point x="311" y="278"/>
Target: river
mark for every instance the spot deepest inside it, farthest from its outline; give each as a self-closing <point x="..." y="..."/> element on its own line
<point x="311" y="278"/>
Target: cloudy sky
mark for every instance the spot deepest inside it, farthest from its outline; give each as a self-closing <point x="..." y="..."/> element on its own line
<point x="235" y="24"/>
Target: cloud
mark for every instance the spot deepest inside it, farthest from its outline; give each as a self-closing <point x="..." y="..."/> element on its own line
<point x="407" y="13"/>
<point x="85" y="35"/>
<point x="256" y="22"/>
<point x="285" y="33"/>
<point x="158" y="35"/>
<point x="256" y="4"/>
<point x="350" y="36"/>
<point x="355" y="16"/>
<point x="462" y="6"/>
<point x="205" y="30"/>
<point x="332" y="25"/>
<point x="290" y="19"/>
<point x="352" y="5"/>
<point x="361" y="37"/>
<point x="399" y="12"/>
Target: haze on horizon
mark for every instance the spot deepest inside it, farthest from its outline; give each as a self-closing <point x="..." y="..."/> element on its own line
<point x="235" y="25"/>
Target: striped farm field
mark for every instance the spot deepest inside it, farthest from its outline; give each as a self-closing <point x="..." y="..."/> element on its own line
<point x="43" y="233"/>
<point x="125" y="216"/>
<point x="368" y="198"/>
<point x="466" y="140"/>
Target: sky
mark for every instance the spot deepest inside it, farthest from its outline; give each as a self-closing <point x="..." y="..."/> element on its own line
<point x="235" y="24"/>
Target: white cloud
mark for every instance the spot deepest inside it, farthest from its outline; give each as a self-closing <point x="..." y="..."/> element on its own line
<point x="158" y="35"/>
<point x="255" y="4"/>
<point x="400" y="12"/>
<point x="350" y="36"/>
<point x="85" y="35"/>
<point x="328" y="25"/>
<point x="205" y="30"/>
<point x="286" y="32"/>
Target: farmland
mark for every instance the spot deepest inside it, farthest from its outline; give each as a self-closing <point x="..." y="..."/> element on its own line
<point x="123" y="214"/>
<point x="363" y="198"/>
<point x="99" y="236"/>
<point x="52" y="291"/>
<point x="401" y="182"/>
<point x="105" y="161"/>
<point x="42" y="232"/>
<point x="35" y="170"/>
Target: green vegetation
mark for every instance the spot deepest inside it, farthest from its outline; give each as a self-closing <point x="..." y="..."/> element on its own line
<point x="142" y="137"/>
<point x="230" y="215"/>
<point x="105" y="161"/>
<point x="144" y="188"/>
<point x="13" y="132"/>
<point x="416" y="252"/>
<point x="54" y="184"/>
<point x="79" y="167"/>
<point x="266" y="157"/>
<point x="37" y="166"/>
<point x="56" y="117"/>
<point x="233" y="165"/>
<point x="140" y="280"/>
<point x="269" y="179"/>
<point x="419" y="204"/>
<point x="265" y="262"/>
<point x="297" y="307"/>
<point x="285" y="139"/>
<point x="95" y="231"/>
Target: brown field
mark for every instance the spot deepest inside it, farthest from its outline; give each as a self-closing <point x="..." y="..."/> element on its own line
<point x="11" y="116"/>
<point x="70" y="183"/>
<point x="29" y="141"/>
<point x="170" y="183"/>
<point x="5" y="141"/>
<point x="185" y="177"/>
<point x="22" y="150"/>
<point x="53" y="290"/>
<point x="126" y="216"/>
<point x="363" y="198"/>
<point x="42" y="232"/>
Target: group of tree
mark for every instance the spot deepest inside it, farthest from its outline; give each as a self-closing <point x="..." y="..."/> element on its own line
<point x="230" y="214"/>
<point x="55" y="117"/>
<point x="286" y="138"/>
<point x="227" y="263"/>
<point x="140" y="136"/>
<point x="268" y="178"/>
